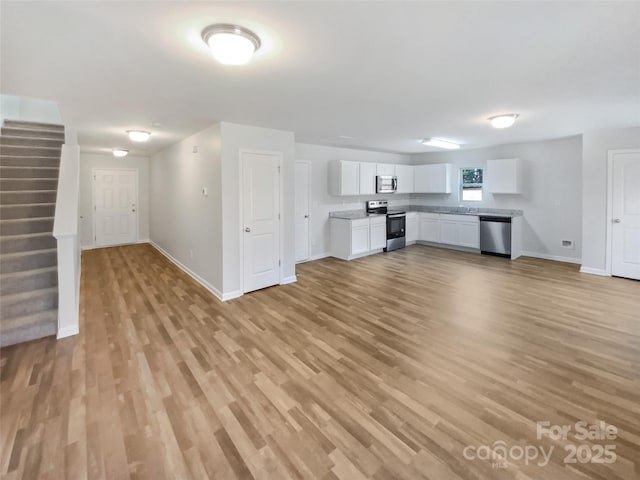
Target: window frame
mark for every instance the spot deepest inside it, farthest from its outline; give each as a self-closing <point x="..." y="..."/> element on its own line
<point x="471" y="185"/>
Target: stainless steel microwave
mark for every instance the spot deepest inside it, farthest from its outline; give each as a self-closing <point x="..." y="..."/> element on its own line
<point x="386" y="184"/>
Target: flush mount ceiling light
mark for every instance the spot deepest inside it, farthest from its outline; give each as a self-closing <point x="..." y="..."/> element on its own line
<point x="231" y="44"/>
<point x="435" y="142"/>
<point x="119" y="152"/>
<point x="504" y="120"/>
<point x="138" y="135"/>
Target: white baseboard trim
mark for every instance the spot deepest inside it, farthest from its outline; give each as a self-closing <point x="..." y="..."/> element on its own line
<point x="319" y="256"/>
<point x="594" y="271"/>
<point x="556" y="258"/>
<point x="194" y="275"/>
<point x="231" y="295"/>
<point x="68" y="331"/>
<point x="291" y="279"/>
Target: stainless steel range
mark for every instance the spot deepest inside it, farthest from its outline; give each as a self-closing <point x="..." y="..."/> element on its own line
<point x="396" y="223"/>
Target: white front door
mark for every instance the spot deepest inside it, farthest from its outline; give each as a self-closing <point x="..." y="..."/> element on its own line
<point x="115" y="207"/>
<point x="625" y="231"/>
<point x="261" y="224"/>
<point x="302" y="211"/>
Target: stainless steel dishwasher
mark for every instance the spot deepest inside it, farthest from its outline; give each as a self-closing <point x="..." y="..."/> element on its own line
<point x="495" y="235"/>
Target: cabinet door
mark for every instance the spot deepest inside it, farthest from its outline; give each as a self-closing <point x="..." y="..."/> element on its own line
<point x="405" y="178"/>
<point x="449" y="232"/>
<point x="504" y="176"/>
<point x="385" y="169"/>
<point x="378" y="238"/>
<point x="429" y="229"/>
<point x="440" y="178"/>
<point x="367" y="178"/>
<point x="411" y="234"/>
<point x="421" y="179"/>
<point x="359" y="236"/>
<point x="469" y="234"/>
<point x="350" y="180"/>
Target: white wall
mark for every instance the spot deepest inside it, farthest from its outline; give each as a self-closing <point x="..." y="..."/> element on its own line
<point x="184" y="223"/>
<point x="322" y="202"/>
<point x="90" y="161"/>
<point x="552" y="191"/>
<point x="29" y="110"/>
<point x="234" y="138"/>
<point x="595" y="147"/>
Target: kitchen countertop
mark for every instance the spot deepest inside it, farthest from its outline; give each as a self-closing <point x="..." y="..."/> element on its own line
<point x="496" y="212"/>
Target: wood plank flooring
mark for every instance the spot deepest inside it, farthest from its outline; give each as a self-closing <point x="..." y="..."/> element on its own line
<point x="383" y="367"/>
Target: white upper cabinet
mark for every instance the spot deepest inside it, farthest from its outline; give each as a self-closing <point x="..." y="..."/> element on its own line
<point x="385" y="169"/>
<point x="344" y="177"/>
<point x="433" y="178"/>
<point x="503" y="176"/>
<point x="368" y="178"/>
<point x="405" y="178"/>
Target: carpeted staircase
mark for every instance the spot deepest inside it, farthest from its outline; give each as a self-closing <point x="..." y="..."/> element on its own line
<point x="29" y="163"/>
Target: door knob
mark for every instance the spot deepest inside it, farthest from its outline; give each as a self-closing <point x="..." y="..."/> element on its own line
<point x="616" y="220"/>
<point x="247" y="229"/>
<point x="133" y="209"/>
<point x="306" y="216"/>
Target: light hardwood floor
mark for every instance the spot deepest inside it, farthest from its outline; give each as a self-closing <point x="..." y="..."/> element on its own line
<point x="383" y="367"/>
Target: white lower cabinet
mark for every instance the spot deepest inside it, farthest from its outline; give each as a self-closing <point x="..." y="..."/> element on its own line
<point x="411" y="228"/>
<point x="378" y="233"/>
<point x="356" y="238"/>
<point x="456" y="230"/>
<point x="429" y="227"/>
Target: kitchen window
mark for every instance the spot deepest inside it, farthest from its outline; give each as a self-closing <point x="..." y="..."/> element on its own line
<point x="471" y="184"/>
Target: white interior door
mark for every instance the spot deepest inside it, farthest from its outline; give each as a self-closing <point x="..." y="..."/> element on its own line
<point x="625" y="230"/>
<point x="115" y="207"/>
<point x="261" y="205"/>
<point x="302" y="211"/>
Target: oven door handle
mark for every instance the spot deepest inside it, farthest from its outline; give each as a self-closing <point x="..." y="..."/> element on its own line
<point x="397" y="215"/>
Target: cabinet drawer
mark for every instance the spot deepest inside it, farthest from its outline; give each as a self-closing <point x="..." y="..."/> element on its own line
<point x="459" y="218"/>
<point x="430" y="216"/>
<point x="377" y="220"/>
<point x="360" y="222"/>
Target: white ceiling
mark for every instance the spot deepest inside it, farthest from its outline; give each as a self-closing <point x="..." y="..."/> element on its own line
<point x="385" y="73"/>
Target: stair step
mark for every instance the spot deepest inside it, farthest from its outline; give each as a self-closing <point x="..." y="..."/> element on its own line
<point x="11" y="171"/>
<point x="28" y="161"/>
<point x="30" y="141"/>
<point x="26" y="225"/>
<point x="53" y="152"/>
<point x="30" y="327"/>
<point x="28" y="280"/>
<point x="31" y="132"/>
<point x="28" y="196"/>
<point x="23" y="261"/>
<point x="27" y="242"/>
<point x="14" y="184"/>
<point x="29" y="302"/>
<point x="33" y="125"/>
<point x="32" y="210"/>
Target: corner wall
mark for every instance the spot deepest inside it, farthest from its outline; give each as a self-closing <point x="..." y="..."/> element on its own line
<point x="184" y="223"/>
<point x="90" y="161"/>
<point x="551" y="198"/>
<point x="595" y="148"/>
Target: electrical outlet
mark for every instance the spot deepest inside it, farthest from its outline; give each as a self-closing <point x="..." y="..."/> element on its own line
<point x="567" y="243"/>
<point x="191" y="254"/>
<point x="195" y="149"/>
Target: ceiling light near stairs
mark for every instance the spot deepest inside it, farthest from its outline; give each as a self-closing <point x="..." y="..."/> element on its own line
<point x="231" y="44"/>
<point x="138" y="135"/>
<point x="118" y="152"/>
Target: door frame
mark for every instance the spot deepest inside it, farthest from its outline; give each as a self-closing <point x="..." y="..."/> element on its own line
<point x="279" y="156"/>
<point x="609" y="253"/>
<point x="93" y="202"/>
<point x="308" y="163"/>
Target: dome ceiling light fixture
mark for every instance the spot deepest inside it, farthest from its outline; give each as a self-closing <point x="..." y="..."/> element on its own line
<point x="231" y="44"/>
<point x="436" y="142"/>
<point x="504" y="120"/>
<point x="119" y="152"/>
<point x="138" y="135"/>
